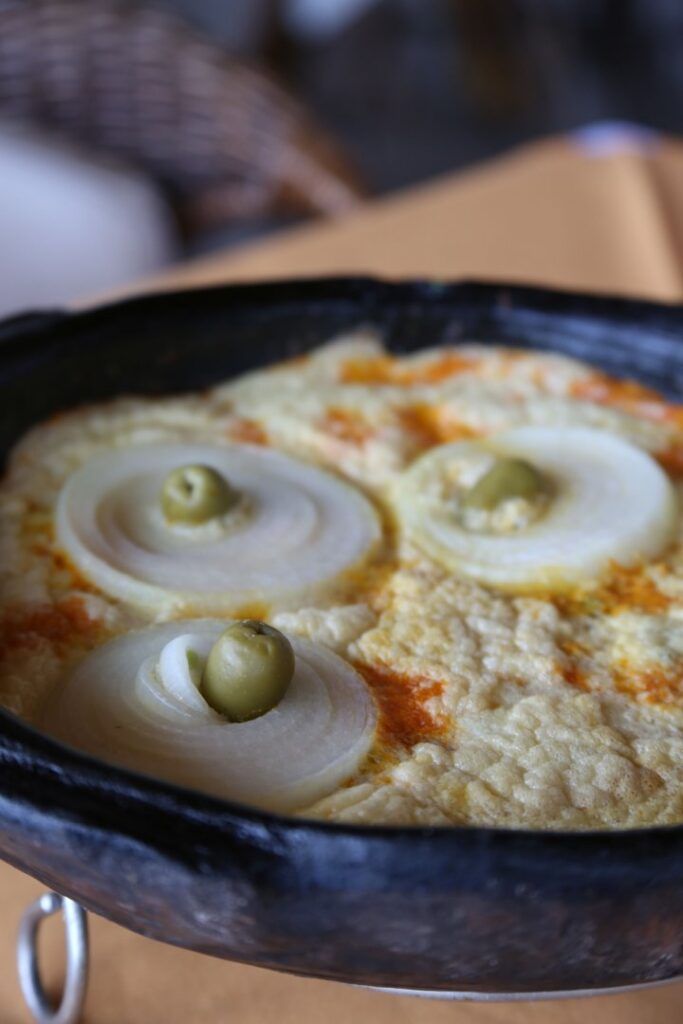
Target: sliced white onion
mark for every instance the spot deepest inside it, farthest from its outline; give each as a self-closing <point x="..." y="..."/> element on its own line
<point x="133" y="703"/>
<point x="611" y="502"/>
<point x="296" y="531"/>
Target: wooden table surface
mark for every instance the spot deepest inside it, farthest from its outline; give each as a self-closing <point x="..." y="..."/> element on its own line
<point x="556" y="213"/>
<point x="549" y="213"/>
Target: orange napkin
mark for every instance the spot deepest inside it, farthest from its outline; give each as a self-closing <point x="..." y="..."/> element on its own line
<point x="575" y="213"/>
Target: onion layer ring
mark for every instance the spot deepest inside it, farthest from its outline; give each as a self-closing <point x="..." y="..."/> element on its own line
<point x="612" y="502"/>
<point x="297" y="529"/>
<point x="133" y="702"/>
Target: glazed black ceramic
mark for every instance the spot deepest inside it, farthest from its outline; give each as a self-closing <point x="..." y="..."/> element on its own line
<point x="441" y="909"/>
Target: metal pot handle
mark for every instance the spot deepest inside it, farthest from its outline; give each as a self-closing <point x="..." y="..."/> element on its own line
<point x="68" y="1011"/>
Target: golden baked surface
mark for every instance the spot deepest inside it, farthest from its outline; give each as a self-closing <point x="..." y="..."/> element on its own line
<point x="531" y="710"/>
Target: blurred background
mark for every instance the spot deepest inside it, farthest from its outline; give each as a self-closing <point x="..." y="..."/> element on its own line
<point x="134" y="134"/>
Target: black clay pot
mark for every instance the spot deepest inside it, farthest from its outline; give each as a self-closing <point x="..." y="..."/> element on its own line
<point x="469" y="909"/>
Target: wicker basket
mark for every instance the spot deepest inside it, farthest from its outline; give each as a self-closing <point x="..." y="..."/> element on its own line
<point x="223" y="139"/>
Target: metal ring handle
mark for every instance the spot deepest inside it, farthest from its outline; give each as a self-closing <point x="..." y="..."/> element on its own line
<point x="76" y="978"/>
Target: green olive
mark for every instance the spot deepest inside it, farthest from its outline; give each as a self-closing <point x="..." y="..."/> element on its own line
<point x="248" y="670"/>
<point x="507" y="478"/>
<point x="195" y="494"/>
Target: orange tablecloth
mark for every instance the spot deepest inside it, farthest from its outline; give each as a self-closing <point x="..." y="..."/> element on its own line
<point x="551" y="213"/>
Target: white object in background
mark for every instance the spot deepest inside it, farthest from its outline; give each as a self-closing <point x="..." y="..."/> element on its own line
<point x="320" y="19"/>
<point x="605" y="138"/>
<point x="71" y="226"/>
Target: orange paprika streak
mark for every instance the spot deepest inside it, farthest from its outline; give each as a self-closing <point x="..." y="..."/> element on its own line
<point x="649" y="685"/>
<point x="388" y="370"/>
<point x="246" y="431"/>
<point x="404" y="720"/>
<point x="25" y="627"/>
<point x="671" y="459"/>
<point x="346" y="425"/>
<point x="628" y="395"/>
<point x="433" y="424"/>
